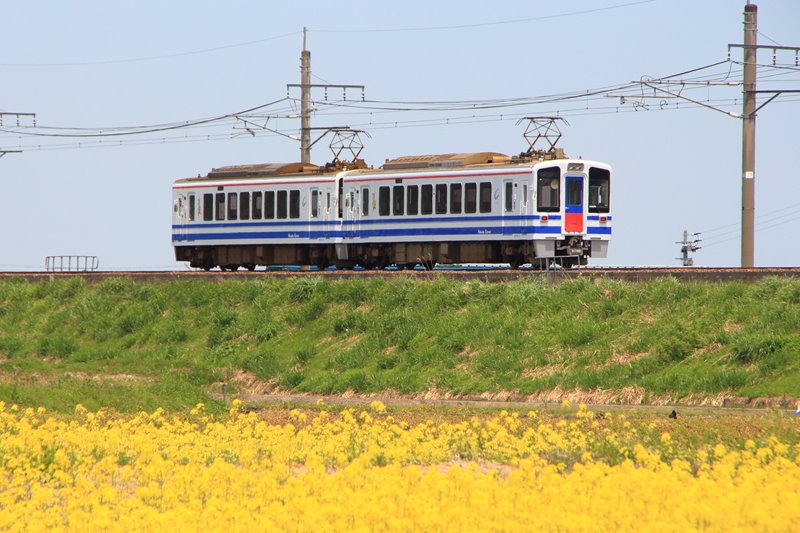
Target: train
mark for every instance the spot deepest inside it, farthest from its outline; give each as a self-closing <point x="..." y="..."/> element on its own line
<point x="460" y="208"/>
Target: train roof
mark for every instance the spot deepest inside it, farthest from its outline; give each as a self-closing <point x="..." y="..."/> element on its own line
<point x="446" y="160"/>
<point x="404" y="163"/>
<point x="262" y="170"/>
<point x="259" y="170"/>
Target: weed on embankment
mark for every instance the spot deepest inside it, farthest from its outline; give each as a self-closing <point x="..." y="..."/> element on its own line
<point x="135" y="346"/>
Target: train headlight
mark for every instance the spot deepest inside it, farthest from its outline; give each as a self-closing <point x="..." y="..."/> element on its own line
<point x="575" y="166"/>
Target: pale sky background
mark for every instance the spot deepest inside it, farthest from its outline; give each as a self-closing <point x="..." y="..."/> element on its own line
<point x="85" y="65"/>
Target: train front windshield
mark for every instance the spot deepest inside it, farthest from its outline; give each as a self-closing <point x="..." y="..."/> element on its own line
<point x="599" y="189"/>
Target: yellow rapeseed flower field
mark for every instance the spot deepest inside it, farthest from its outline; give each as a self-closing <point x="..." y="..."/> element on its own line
<point x="373" y="471"/>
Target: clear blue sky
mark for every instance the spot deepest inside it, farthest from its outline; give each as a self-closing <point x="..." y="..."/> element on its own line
<point x="80" y="65"/>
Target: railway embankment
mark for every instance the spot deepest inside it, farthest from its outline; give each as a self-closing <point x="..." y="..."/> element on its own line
<point x="142" y="345"/>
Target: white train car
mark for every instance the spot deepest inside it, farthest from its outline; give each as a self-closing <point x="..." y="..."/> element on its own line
<point x="453" y="208"/>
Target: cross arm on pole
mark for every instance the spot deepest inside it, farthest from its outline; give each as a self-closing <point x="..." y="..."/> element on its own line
<point x="676" y="95"/>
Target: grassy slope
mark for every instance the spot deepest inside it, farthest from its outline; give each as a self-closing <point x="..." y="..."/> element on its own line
<point x="141" y="345"/>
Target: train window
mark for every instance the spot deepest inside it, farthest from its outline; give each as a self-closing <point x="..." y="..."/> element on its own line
<point x="524" y="195"/>
<point x="269" y="204"/>
<point x="574" y="192"/>
<point x="383" y="201"/>
<point x="599" y="180"/>
<point x="470" y="197"/>
<point x="294" y="204"/>
<point x="548" y="188"/>
<point x="327" y="200"/>
<point x="232" y="206"/>
<point x="412" y="200"/>
<point x="351" y="201"/>
<point x="364" y="201"/>
<point x="398" y="199"/>
<point x="208" y="207"/>
<point x="427" y="200"/>
<point x="258" y="205"/>
<point x="281" y="210"/>
<point x="455" y="198"/>
<point x="314" y="203"/>
<point x="220" y="206"/>
<point x="191" y="207"/>
<point x="509" y="196"/>
<point x="486" y="197"/>
<point x="441" y="199"/>
<point x="244" y="206"/>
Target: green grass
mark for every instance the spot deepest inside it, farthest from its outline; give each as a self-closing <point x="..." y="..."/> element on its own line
<point x="141" y="345"/>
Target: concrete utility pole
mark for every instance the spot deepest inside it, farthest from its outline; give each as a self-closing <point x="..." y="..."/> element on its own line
<point x="749" y="136"/>
<point x="305" y="86"/>
<point x="748" y="116"/>
<point x="305" y="102"/>
<point x="749" y="111"/>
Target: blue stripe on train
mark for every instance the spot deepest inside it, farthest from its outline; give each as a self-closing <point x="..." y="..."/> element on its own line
<point x="391" y="232"/>
<point x="318" y="222"/>
<point x="604" y="230"/>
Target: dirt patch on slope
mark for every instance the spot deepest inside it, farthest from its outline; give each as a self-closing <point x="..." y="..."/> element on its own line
<point x="249" y="387"/>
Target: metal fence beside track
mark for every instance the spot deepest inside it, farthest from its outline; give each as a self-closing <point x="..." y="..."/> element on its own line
<point x="71" y="263"/>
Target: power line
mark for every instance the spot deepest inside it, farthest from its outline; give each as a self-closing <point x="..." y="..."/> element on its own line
<point x="768" y="213"/>
<point x="388" y="124"/>
<point x="145" y="131"/>
<point x="773" y="221"/>
<point x="736" y="237"/>
<point x="150" y="58"/>
<point x="484" y="24"/>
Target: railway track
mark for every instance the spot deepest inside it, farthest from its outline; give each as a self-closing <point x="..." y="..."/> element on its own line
<point x="633" y="274"/>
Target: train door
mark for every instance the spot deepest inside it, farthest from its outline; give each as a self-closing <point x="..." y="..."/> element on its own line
<point x="363" y="207"/>
<point x="316" y="211"/>
<point x="351" y="202"/>
<point x="339" y="203"/>
<point x="514" y="206"/>
<point x="327" y="212"/>
<point x="573" y="210"/>
<point x="181" y="216"/>
<point x="349" y="214"/>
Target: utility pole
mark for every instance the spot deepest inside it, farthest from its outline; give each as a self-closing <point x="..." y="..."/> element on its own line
<point x="687" y="247"/>
<point x="749" y="112"/>
<point x="305" y="86"/>
<point x="749" y="136"/>
<point x="305" y="102"/>
<point x="748" y="116"/>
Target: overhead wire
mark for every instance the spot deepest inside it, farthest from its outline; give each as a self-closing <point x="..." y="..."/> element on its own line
<point x="169" y="127"/>
<point x="154" y="57"/>
<point x="587" y="98"/>
<point x="481" y="24"/>
<point x="758" y="229"/>
<point x="769" y="217"/>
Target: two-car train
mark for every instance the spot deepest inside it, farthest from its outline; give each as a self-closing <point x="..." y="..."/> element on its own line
<point x="454" y="208"/>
